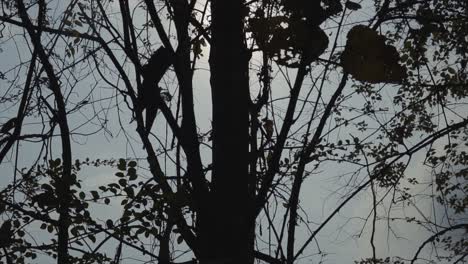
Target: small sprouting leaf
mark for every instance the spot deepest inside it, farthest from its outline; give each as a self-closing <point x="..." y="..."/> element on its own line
<point x="132" y="164"/>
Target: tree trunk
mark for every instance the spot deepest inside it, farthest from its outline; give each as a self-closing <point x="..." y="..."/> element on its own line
<point x="226" y="236"/>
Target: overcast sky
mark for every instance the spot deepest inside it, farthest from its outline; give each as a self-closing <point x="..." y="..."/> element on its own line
<point x="322" y="192"/>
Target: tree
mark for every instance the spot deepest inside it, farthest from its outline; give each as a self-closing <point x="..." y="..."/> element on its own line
<point x="298" y="88"/>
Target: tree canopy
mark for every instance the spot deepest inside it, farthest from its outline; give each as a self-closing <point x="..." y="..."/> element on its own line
<point x="190" y="131"/>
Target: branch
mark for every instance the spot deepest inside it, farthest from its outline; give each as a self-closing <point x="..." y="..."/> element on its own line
<point x="425" y="142"/>
<point x="184" y="74"/>
<point x="273" y="164"/>
<point x="34" y="215"/>
<point x="64" y="32"/>
<point x="267" y="258"/>
<point x="430" y="239"/>
<point x="157" y="23"/>
<point x="63" y="191"/>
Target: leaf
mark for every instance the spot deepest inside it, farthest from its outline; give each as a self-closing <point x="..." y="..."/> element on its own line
<point x="46" y="199"/>
<point x="56" y="162"/>
<point x="133" y="177"/>
<point x="352" y="5"/>
<point x="75" y="33"/>
<point x="132" y="173"/>
<point x="123" y="182"/>
<point x="130" y="192"/>
<point x="122" y="165"/>
<point x="132" y="164"/>
<point x="268" y="126"/>
<point x="67" y="22"/>
<point x="72" y="50"/>
<point x="166" y="95"/>
<point x="180" y="239"/>
<point x="451" y="70"/>
<point x="95" y="195"/>
<point x="369" y="59"/>
<point x="316" y="44"/>
<point x="109" y="223"/>
<point x="47" y="187"/>
<point x="20" y="233"/>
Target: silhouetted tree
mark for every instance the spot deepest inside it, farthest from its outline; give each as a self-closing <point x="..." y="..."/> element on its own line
<point x="298" y="89"/>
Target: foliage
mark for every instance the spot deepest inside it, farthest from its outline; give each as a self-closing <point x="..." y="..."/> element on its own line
<point x="374" y="89"/>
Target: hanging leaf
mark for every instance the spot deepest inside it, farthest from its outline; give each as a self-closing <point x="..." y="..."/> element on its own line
<point x="268" y="126"/>
<point x="316" y="45"/>
<point x="369" y="59"/>
<point x="353" y="5"/>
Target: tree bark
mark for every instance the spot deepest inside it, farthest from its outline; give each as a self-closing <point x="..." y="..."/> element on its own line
<point x="227" y="235"/>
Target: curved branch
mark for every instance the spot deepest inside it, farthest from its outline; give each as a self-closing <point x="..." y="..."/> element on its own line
<point x="431" y="238"/>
